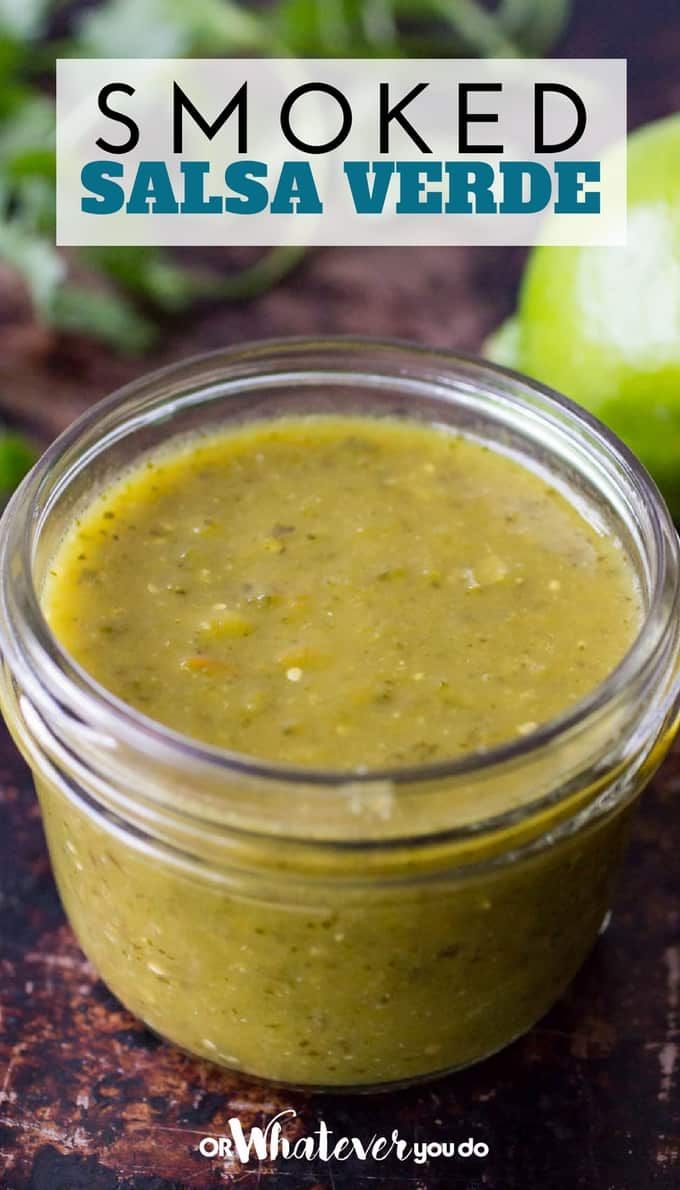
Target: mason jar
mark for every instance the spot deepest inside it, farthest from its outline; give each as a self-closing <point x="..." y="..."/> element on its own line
<point x="333" y="929"/>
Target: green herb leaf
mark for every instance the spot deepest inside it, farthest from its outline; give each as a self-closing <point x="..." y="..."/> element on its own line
<point x="35" y="259"/>
<point x="105" y="315"/>
<point x="27" y="129"/>
<point x="23" y="19"/>
<point x="475" y="29"/>
<point x="170" y="28"/>
<point x="259" y="277"/>
<point x="17" y="456"/>
<point x="152" y="274"/>
<point x="534" y="25"/>
<point x="169" y="287"/>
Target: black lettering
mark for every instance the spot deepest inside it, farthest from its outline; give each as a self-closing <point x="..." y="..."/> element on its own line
<point x="465" y="117"/>
<point x="540" y="91"/>
<point x="387" y="114"/>
<point x="119" y="117"/>
<point x="182" y="103"/>
<point x="325" y="89"/>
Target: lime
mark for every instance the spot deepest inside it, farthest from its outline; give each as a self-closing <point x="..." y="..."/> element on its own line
<point x="602" y="325"/>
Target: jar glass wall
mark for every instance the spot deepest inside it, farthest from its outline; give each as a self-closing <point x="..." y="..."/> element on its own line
<point x="323" y="928"/>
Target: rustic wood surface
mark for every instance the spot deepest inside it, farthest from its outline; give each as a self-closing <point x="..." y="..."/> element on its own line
<point x="591" y="1098"/>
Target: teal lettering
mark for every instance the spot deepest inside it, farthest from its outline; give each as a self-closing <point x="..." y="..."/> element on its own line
<point x="296" y="192"/>
<point x="368" y="200"/>
<point x="109" y="196"/>
<point x="468" y="180"/>
<point x="152" y="191"/>
<point x="251" y="196"/>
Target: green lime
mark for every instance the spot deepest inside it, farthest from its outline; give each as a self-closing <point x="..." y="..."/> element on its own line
<point x="602" y="325"/>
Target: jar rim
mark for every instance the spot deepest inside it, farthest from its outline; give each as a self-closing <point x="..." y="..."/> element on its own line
<point x="28" y="635"/>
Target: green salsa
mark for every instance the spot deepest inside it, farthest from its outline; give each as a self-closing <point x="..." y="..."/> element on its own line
<point x="342" y="592"/>
<point x="356" y="594"/>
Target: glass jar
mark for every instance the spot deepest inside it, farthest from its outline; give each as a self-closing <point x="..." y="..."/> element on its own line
<point x="319" y="928"/>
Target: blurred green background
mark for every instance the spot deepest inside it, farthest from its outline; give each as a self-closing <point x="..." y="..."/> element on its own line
<point x="74" y="324"/>
<point x="140" y="285"/>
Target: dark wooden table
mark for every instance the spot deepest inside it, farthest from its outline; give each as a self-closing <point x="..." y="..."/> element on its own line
<point x="591" y="1098"/>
